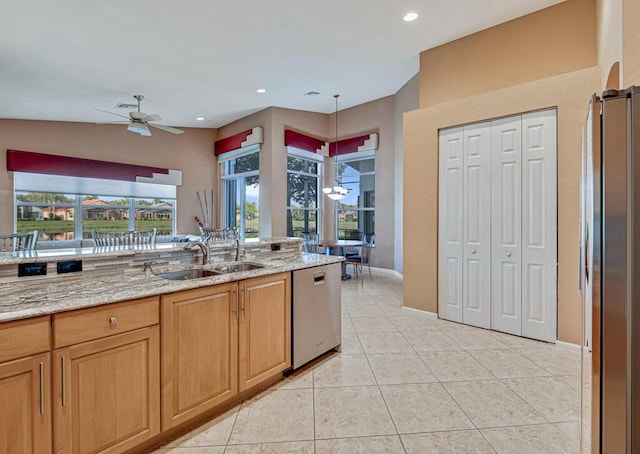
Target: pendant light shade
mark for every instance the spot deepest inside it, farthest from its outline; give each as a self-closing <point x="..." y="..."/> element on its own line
<point x="336" y="192"/>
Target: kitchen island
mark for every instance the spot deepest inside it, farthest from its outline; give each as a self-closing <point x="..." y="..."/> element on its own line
<point x="122" y="360"/>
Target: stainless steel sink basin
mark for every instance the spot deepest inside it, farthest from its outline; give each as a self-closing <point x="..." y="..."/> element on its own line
<point x="237" y="267"/>
<point x="188" y="274"/>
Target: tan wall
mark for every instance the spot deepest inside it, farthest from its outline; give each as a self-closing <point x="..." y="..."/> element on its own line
<point x="630" y="42"/>
<point x="406" y="99"/>
<point x="191" y="152"/>
<point x="609" y="40"/>
<point x="570" y="93"/>
<point x="552" y="41"/>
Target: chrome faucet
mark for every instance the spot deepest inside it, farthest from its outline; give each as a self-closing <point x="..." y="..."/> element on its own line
<point x="205" y="250"/>
<point x="239" y="252"/>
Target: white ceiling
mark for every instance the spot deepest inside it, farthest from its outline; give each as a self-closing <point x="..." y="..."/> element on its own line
<point x="61" y="59"/>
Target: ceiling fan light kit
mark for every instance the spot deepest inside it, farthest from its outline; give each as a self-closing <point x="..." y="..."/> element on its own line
<point x="139" y="122"/>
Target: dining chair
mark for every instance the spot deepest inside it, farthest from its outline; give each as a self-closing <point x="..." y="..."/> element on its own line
<point x="364" y="257"/>
<point x="311" y="242"/>
<point x="25" y="241"/>
<point x="142" y="237"/>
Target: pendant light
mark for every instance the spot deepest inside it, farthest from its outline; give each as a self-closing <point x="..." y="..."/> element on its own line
<point x="336" y="192"/>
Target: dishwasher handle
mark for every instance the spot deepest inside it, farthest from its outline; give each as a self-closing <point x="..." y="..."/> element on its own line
<point x="318" y="278"/>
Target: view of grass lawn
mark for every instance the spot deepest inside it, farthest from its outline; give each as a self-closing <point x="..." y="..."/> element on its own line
<point x="64" y="229"/>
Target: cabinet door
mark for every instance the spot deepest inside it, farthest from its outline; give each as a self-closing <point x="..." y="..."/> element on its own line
<point x="199" y="351"/>
<point x="539" y="225"/>
<point x="450" y="225"/>
<point x="476" y="252"/>
<point x="106" y="393"/>
<point x="506" y="222"/>
<point x="25" y="409"/>
<point x="264" y="344"/>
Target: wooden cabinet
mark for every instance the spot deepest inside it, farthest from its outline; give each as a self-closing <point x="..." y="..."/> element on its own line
<point x="221" y="340"/>
<point x="25" y="390"/>
<point x="106" y="389"/>
<point x="264" y="345"/>
<point x="199" y="351"/>
<point x="25" y="396"/>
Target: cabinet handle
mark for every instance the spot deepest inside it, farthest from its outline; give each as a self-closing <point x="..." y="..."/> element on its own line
<point x="235" y="310"/>
<point x="113" y="320"/>
<point x="63" y="366"/>
<point x="244" y="300"/>
<point x="41" y="388"/>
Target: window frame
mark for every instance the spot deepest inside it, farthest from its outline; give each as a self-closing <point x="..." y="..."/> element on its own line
<point x="318" y="159"/>
<point x="352" y="157"/>
<point x="241" y="177"/>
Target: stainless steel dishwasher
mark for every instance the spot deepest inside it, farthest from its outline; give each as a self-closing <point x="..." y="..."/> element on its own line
<point x="316" y="312"/>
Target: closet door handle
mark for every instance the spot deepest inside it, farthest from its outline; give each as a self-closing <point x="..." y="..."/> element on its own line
<point x="41" y="388"/>
<point x="473" y="251"/>
<point x="508" y="254"/>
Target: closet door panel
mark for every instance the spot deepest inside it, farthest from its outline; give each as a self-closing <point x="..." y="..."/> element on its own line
<point x="477" y="225"/>
<point x="506" y="221"/>
<point x="450" y="224"/>
<point x="539" y="225"/>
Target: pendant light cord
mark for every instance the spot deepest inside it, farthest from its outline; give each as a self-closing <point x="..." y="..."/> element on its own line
<point x="336" y="154"/>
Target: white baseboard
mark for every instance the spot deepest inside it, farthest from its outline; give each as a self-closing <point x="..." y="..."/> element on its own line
<point x="568" y="346"/>
<point x="425" y="314"/>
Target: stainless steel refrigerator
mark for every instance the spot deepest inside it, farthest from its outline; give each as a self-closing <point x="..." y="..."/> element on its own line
<point x="610" y="274"/>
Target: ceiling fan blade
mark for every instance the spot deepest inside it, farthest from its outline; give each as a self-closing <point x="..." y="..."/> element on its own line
<point x="151" y="117"/>
<point x="167" y="129"/>
<point x="112" y="113"/>
<point x="112" y="122"/>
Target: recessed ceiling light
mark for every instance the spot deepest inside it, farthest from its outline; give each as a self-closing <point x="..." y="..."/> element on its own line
<point x="261" y="90"/>
<point x="200" y="119"/>
<point x="410" y="17"/>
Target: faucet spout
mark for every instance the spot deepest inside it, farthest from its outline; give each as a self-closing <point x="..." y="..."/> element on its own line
<point x="238" y="250"/>
<point x="205" y="250"/>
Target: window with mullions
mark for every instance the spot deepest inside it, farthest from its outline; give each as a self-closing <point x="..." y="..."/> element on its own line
<point x="60" y="216"/>
<point x="304" y="171"/>
<point x="241" y="192"/>
<point x="356" y="212"/>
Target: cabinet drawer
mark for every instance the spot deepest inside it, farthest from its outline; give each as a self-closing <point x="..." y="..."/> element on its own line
<point x="24" y="337"/>
<point x="88" y="324"/>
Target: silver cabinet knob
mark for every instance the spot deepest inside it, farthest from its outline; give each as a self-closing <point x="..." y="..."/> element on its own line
<point x="508" y="254"/>
<point x="113" y="320"/>
<point x="473" y="251"/>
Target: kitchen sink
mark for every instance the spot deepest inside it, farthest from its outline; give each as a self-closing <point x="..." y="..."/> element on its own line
<point x="188" y="274"/>
<point x="237" y="267"/>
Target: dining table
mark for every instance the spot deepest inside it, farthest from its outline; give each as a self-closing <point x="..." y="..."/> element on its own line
<point x="337" y="247"/>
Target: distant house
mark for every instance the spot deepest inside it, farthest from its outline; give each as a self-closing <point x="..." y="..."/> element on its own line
<point x="159" y="210"/>
<point x="30" y="212"/>
<point x="95" y="212"/>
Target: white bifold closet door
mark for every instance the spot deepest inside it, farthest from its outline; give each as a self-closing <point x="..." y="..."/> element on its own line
<point x="498" y="225"/>
<point x="476" y="251"/>
<point x="506" y="215"/>
<point x="539" y="225"/>
<point x="450" y="225"/>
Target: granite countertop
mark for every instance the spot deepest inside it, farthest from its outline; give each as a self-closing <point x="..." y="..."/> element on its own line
<point x="40" y="297"/>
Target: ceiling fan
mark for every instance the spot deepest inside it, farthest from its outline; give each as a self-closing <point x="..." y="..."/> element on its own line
<point x="139" y="122"/>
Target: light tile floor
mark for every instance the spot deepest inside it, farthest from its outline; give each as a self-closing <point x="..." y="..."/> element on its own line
<point x="406" y="383"/>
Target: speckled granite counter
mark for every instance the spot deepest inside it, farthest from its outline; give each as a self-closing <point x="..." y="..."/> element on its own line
<point x="36" y="297"/>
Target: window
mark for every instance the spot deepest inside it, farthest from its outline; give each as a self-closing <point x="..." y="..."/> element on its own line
<point x="356" y="212"/>
<point x="241" y="191"/>
<point x="304" y="171"/>
<point x="54" y="214"/>
<point x="65" y="208"/>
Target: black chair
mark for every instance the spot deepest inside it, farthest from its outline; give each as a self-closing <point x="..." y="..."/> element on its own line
<point x="364" y="257"/>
